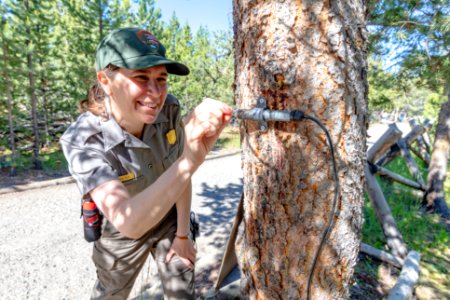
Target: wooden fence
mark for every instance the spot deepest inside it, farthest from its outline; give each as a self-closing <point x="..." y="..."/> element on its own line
<point x="390" y="145"/>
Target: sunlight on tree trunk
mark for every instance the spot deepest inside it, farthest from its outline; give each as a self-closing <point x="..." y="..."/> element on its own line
<point x="311" y="56"/>
<point x="434" y="198"/>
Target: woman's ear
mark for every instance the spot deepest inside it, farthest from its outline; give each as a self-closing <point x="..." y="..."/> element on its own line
<point x="104" y="81"/>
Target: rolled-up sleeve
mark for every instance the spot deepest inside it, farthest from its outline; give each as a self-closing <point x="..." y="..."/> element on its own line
<point x="89" y="167"/>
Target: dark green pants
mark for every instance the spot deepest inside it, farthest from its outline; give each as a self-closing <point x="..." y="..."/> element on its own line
<point x="119" y="260"/>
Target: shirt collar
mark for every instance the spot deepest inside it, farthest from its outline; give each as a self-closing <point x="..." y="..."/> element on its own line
<point x="161" y="117"/>
<point x="113" y="134"/>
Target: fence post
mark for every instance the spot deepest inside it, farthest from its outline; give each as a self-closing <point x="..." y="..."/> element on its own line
<point x="394" y="238"/>
<point x="389" y="138"/>
<point x="404" y="287"/>
<point x="410" y="162"/>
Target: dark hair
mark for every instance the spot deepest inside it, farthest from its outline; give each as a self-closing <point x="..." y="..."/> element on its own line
<point x="95" y="102"/>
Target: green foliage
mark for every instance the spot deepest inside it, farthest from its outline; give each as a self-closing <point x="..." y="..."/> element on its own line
<point x="62" y="36"/>
<point x="418" y="33"/>
<point x="410" y="60"/>
<point x="433" y="105"/>
<point x="393" y="92"/>
<point x="382" y="88"/>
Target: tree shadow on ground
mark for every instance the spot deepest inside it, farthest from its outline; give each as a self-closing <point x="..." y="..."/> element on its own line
<point x="223" y="202"/>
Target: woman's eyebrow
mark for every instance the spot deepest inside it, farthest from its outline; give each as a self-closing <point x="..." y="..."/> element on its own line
<point x="142" y="72"/>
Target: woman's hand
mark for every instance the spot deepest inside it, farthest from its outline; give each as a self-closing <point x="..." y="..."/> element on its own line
<point x="185" y="250"/>
<point x="203" y="127"/>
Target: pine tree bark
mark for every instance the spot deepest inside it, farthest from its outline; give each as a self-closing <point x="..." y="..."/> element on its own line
<point x="307" y="55"/>
<point x="434" y="197"/>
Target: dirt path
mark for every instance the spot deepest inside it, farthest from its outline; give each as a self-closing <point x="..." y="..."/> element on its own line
<point x="44" y="256"/>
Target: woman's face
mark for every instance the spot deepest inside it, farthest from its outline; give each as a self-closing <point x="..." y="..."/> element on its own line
<point x="137" y="96"/>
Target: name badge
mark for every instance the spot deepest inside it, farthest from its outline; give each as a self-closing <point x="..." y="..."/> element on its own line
<point x="127" y="177"/>
<point x="171" y="136"/>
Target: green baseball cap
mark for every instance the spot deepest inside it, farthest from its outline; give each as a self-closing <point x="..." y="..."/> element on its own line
<point x="134" y="48"/>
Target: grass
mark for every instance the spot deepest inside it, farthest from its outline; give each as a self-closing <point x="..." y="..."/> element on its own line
<point x="229" y="139"/>
<point x="51" y="158"/>
<point x="421" y="232"/>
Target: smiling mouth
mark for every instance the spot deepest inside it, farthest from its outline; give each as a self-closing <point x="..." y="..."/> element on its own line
<point x="149" y="105"/>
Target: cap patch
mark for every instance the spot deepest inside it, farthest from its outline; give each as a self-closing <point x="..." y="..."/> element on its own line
<point x="147" y="38"/>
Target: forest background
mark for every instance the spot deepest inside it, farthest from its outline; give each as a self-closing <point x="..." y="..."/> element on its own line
<point x="47" y="50"/>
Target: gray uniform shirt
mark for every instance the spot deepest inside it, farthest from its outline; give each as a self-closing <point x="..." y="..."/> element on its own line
<point x="99" y="151"/>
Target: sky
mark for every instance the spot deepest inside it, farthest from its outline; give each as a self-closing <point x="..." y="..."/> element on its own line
<point x="215" y="14"/>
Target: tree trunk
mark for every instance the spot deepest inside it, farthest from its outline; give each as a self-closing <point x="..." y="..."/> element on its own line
<point x="434" y="198"/>
<point x="44" y="89"/>
<point x="48" y="137"/>
<point x="309" y="56"/>
<point x="100" y="19"/>
<point x="37" y="144"/>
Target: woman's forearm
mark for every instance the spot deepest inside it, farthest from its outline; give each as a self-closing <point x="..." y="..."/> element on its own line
<point x="136" y="215"/>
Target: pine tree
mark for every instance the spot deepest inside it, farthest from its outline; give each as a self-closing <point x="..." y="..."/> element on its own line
<point x="301" y="231"/>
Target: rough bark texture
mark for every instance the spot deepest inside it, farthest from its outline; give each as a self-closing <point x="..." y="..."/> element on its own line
<point x="311" y="56"/>
<point x="434" y="198"/>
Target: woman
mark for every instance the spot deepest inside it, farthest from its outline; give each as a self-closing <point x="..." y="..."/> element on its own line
<point x="133" y="156"/>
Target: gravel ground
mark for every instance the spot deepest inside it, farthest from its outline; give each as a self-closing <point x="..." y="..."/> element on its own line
<point x="43" y="254"/>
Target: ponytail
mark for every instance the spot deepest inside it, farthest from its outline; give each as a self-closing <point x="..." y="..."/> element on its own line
<point x="95" y="102"/>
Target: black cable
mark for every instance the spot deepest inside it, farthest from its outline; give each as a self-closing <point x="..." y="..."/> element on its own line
<point x="261" y="114"/>
<point x="334" y="205"/>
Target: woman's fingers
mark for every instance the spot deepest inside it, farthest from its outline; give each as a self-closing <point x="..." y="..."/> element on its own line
<point x="203" y="127"/>
<point x="211" y="116"/>
<point x="187" y="262"/>
<point x="185" y="250"/>
<point x="170" y="254"/>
